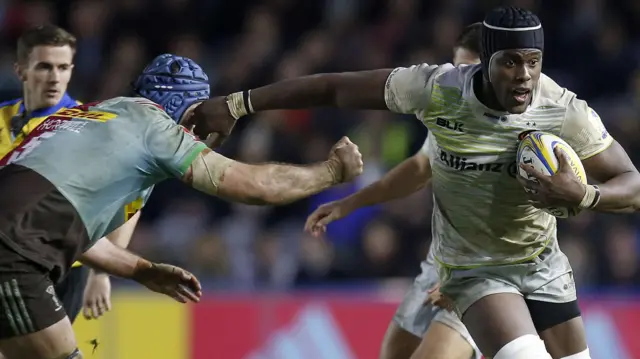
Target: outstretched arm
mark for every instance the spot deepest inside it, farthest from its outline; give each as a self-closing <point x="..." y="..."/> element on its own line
<point x="364" y="89"/>
<point x="403" y="90"/>
<point x="408" y="177"/>
<point x="162" y="278"/>
<point x="275" y="184"/>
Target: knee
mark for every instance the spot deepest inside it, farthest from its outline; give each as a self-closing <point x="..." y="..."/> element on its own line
<point x="525" y="347"/>
<point x="582" y="355"/>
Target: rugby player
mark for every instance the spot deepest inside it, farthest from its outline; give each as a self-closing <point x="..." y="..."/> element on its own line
<point x="63" y="188"/>
<point x="497" y="254"/>
<point x="417" y="331"/>
<point x="45" y="65"/>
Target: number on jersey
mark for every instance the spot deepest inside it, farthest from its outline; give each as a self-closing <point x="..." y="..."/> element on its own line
<point x="25" y="148"/>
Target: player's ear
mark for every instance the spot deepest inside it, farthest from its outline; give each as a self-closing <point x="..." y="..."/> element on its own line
<point x="22" y="74"/>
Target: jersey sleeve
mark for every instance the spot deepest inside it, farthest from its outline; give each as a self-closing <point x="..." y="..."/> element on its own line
<point x="584" y="131"/>
<point x="170" y="147"/>
<point x="408" y="89"/>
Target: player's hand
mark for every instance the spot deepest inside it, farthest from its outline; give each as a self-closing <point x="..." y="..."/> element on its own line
<point x="562" y="189"/>
<point x="97" y="295"/>
<point x="170" y="280"/>
<point x="212" y="121"/>
<point x="345" y="160"/>
<point x="318" y="221"/>
<point x="438" y="299"/>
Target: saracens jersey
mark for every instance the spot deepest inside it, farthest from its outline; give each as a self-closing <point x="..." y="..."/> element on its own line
<point x="481" y="215"/>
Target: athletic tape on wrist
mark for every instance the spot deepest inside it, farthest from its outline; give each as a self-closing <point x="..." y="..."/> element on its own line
<point x="239" y="104"/>
<point x="235" y="103"/>
<point x="589" y="199"/>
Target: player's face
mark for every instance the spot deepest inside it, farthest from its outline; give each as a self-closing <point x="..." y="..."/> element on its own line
<point x="46" y="75"/>
<point x="462" y="56"/>
<point x="514" y="74"/>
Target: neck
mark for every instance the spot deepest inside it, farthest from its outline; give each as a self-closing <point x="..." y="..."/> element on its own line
<point x="30" y="104"/>
<point x="485" y="93"/>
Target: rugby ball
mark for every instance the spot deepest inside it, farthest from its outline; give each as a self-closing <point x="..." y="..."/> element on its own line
<point x="536" y="148"/>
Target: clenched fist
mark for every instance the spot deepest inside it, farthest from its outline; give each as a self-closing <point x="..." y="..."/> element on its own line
<point x="212" y="121"/>
<point x="346" y="160"/>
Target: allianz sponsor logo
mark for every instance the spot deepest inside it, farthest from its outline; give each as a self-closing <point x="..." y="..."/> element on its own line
<point x="313" y="333"/>
<point x="477" y="164"/>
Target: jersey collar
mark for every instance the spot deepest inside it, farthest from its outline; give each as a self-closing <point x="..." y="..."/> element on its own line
<point x="65" y="101"/>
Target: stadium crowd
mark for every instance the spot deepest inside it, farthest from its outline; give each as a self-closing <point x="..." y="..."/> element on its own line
<point x="593" y="48"/>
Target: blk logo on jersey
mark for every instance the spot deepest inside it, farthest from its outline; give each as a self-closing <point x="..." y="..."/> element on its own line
<point x="449" y="124"/>
<point x="463" y="164"/>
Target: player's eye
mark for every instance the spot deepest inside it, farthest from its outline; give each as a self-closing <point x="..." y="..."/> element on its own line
<point x="44" y="66"/>
<point x="534" y="62"/>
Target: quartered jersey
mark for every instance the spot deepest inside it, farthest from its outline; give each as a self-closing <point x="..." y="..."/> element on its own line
<point x="105" y="158"/>
<point x="481" y="215"/>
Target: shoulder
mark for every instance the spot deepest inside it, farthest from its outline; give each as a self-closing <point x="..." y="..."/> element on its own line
<point x="551" y="94"/>
<point x="10" y="102"/>
<point x="135" y="106"/>
<point x="408" y="89"/>
<point x="10" y="108"/>
<point x="419" y="73"/>
<point x="455" y="76"/>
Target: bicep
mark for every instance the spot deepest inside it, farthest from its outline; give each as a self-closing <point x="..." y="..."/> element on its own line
<point x="218" y="175"/>
<point x="362" y="89"/>
<point x="609" y="163"/>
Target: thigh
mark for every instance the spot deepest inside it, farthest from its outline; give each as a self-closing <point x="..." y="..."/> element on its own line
<point x="33" y="323"/>
<point x="497" y="319"/>
<point x="55" y="341"/>
<point x="446" y="339"/>
<point x="398" y="343"/>
<point x="71" y="290"/>
<point x="412" y="314"/>
<point x="560" y="326"/>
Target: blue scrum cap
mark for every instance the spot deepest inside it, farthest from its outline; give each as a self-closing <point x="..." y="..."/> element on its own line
<point x="174" y="82"/>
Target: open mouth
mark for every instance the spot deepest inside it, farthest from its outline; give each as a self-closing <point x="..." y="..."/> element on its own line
<point x="521" y="95"/>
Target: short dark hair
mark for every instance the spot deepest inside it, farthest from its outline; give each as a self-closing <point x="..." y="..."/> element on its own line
<point x="43" y="35"/>
<point x="470" y="38"/>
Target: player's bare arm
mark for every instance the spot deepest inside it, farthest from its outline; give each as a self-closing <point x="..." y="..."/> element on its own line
<point x="357" y="90"/>
<point x="162" y="278"/>
<point x="274" y="184"/>
<point x="408" y="177"/>
<point x="97" y="293"/>
<point x="604" y="160"/>
<point x="619" y="180"/>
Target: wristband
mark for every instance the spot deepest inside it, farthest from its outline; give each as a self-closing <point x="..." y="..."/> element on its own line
<point x="591" y="197"/>
<point x="239" y="104"/>
<point x="596" y="200"/>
